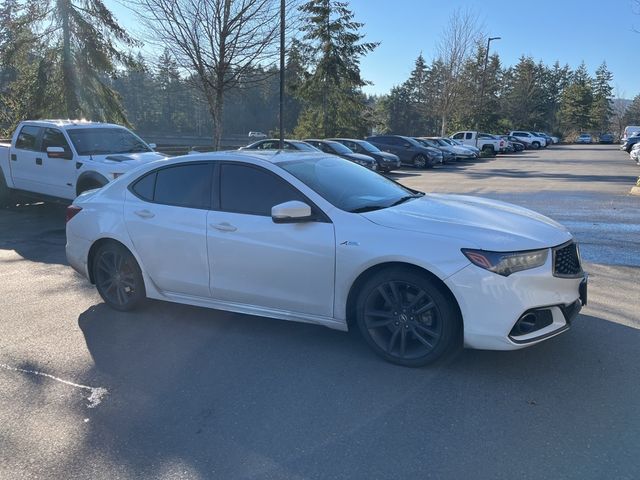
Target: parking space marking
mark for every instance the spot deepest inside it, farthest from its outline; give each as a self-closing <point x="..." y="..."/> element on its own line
<point x="95" y="397"/>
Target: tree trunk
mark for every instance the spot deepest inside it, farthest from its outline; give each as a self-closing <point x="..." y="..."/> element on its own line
<point x="68" y="78"/>
<point x="443" y="127"/>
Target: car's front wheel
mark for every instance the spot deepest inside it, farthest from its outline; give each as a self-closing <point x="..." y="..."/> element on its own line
<point x="535" y="145"/>
<point x="420" y="161"/>
<point x="118" y="277"/>
<point x="405" y="317"/>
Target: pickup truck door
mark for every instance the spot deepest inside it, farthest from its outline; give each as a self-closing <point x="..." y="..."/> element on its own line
<point x="26" y="160"/>
<point x="59" y="173"/>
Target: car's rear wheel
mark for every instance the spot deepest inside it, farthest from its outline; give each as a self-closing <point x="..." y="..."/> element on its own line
<point x="118" y="277"/>
<point x="405" y="318"/>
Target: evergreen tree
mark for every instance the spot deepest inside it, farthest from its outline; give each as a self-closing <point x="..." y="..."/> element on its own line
<point x="333" y="102"/>
<point x="601" y="109"/>
<point x="577" y="101"/>
<point x="523" y="97"/>
<point x="632" y="113"/>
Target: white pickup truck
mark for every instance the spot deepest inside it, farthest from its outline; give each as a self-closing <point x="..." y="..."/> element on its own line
<point x="484" y="141"/>
<point x="63" y="158"/>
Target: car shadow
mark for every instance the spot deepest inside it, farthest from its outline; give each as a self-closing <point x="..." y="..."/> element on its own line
<point x="35" y="231"/>
<point x="245" y="397"/>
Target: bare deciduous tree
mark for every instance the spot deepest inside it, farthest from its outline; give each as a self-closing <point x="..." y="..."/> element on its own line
<point x="455" y="47"/>
<point x="218" y="41"/>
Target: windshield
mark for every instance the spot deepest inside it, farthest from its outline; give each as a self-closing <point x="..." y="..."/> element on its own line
<point x="346" y="185"/>
<point x="441" y="142"/>
<point x="305" y="147"/>
<point x="339" y="148"/>
<point x="427" y="142"/>
<point x="106" y="141"/>
<point x="369" y="147"/>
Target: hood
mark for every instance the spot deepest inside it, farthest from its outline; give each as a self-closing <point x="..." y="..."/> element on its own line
<point x="128" y="160"/>
<point x="358" y="157"/>
<point x="388" y="156"/>
<point x="486" y="224"/>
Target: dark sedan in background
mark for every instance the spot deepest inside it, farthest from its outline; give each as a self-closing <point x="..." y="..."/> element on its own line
<point x="447" y="155"/>
<point x="337" y="148"/>
<point x="386" y="161"/>
<point x="410" y="151"/>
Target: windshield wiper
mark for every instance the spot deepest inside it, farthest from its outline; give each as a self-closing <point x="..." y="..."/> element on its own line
<point x="368" y="208"/>
<point x="406" y="198"/>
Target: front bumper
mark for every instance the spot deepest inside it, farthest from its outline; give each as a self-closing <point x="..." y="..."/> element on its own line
<point x="492" y="305"/>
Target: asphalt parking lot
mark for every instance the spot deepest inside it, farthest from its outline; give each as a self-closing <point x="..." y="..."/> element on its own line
<point x="183" y="392"/>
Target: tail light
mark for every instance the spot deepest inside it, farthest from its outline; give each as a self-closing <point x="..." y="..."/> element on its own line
<point x="72" y="211"/>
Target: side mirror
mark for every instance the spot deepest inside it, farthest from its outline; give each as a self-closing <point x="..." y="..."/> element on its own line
<point x="291" y="212"/>
<point x="152" y="146"/>
<point x="58" y="152"/>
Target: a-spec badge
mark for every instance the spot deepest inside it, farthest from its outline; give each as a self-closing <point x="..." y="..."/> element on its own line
<point x="349" y="243"/>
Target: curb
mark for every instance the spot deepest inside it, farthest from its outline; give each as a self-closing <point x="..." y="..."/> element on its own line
<point x="635" y="191"/>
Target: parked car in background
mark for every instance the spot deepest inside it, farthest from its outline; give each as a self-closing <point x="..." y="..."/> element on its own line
<point x="513" y="145"/>
<point x="635" y="153"/>
<point x="459" y="152"/>
<point x="62" y="158"/>
<point x="584" y="138"/>
<point x="523" y="144"/>
<point x="458" y="143"/>
<point x="628" y="144"/>
<point x="408" y="150"/>
<point x="548" y="139"/>
<point x="257" y="135"/>
<point x="386" y="161"/>
<point x="274" y="144"/>
<point x="606" y="138"/>
<point x="311" y="237"/>
<point x="337" y="148"/>
<point x="447" y="155"/>
<point x="534" y="141"/>
<point x="630" y="131"/>
<point x="484" y="141"/>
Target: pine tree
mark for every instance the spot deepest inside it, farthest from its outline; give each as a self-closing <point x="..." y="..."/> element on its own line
<point x="577" y="101"/>
<point x="601" y="109"/>
<point x="632" y="113"/>
<point x="523" y="97"/>
<point x="334" y="104"/>
<point x="82" y="54"/>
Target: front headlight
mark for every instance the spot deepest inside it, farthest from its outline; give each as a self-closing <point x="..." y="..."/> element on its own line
<point x="506" y="263"/>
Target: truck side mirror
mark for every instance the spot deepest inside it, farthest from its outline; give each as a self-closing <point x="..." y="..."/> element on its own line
<point x="58" y="152"/>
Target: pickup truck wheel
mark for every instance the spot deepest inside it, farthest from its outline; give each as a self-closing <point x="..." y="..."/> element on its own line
<point x="488" y="150"/>
<point x="5" y="192"/>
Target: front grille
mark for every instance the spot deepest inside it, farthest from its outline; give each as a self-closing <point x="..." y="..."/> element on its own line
<point x="566" y="261"/>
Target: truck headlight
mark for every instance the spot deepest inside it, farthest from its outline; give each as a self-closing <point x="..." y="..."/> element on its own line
<point x="506" y="263"/>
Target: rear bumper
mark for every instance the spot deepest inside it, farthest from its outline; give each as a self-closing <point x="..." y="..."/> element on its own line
<point x="77" y="250"/>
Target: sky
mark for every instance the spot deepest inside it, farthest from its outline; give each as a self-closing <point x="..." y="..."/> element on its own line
<point x="570" y="31"/>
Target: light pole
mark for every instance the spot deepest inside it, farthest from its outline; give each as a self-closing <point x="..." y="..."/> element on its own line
<point x="484" y="74"/>
<point x="281" y="145"/>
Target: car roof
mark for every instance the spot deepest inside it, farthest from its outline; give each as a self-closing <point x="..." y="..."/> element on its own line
<point x="249" y="156"/>
<point x="68" y="123"/>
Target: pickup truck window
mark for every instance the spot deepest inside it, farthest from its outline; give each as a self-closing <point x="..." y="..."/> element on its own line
<point x="106" y="141"/>
<point x="458" y="136"/>
<point x="54" y="138"/>
<point x="28" y="138"/>
<point x="468" y="135"/>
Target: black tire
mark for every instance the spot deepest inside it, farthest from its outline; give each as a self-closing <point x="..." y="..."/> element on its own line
<point x="118" y="277"/>
<point x="489" y="150"/>
<point x="535" y="145"/>
<point x="420" y="161"/>
<point x="5" y="192"/>
<point x="405" y="318"/>
<point x="83" y="187"/>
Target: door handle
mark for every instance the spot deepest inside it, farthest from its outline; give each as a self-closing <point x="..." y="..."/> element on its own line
<point x="144" y="213"/>
<point x="224" y="227"/>
<point x="14" y="157"/>
<point x="38" y="161"/>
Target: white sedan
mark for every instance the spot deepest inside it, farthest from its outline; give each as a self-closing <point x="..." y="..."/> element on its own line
<point x="315" y="238"/>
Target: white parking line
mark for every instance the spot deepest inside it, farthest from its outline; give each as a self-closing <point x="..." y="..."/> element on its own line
<point x="94" y="399"/>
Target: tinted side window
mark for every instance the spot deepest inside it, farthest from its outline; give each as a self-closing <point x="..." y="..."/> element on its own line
<point x="145" y="187"/>
<point x="54" y="138"/>
<point x="184" y="186"/>
<point x="28" y="138"/>
<point x="383" y="140"/>
<point x="468" y="135"/>
<point x="252" y="190"/>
